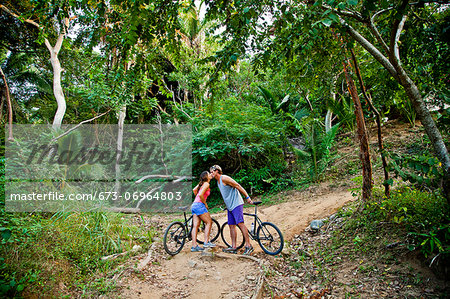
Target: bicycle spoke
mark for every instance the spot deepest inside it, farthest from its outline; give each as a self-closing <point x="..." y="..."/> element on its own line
<point x="174" y="238"/>
<point x="270" y="238"/>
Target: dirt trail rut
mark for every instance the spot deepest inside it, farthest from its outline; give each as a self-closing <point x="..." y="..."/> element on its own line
<point x="219" y="275"/>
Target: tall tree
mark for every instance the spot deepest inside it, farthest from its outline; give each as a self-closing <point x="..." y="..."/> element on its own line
<point x="293" y="28"/>
<point x="49" y="24"/>
<point x="361" y="134"/>
<point x="8" y="101"/>
<point x="381" y="38"/>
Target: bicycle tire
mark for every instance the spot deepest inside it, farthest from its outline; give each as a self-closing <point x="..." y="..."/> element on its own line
<point x="174" y="238"/>
<point x="270" y="238"/>
<point x="214" y="234"/>
<point x="226" y="238"/>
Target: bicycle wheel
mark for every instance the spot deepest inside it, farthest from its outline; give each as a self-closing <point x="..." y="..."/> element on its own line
<point x="174" y="238"/>
<point x="213" y="235"/>
<point x="226" y="237"/>
<point x="270" y="238"/>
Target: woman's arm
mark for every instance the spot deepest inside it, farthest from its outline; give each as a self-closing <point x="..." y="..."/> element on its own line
<point x="195" y="190"/>
<point x="202" y="191"/>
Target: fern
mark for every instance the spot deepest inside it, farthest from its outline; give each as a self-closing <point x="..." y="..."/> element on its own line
<point x="270" y="99"/>
<point x="318" y="145"/>
<point x="344" y="110"/>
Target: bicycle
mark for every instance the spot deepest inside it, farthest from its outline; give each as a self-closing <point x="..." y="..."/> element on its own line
<point x="177" y="232"/>
<point x="269" y="237"/>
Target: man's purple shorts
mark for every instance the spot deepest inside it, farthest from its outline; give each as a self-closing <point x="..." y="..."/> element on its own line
<point x="236" y="216"/>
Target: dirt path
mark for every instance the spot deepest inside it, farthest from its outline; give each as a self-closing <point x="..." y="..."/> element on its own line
<point x="219" y="275"/>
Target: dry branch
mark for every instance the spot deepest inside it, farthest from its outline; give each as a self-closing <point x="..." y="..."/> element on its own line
<point x="259" y="288"/>
<point x="83" y="122"/>
<point x="147" y="259"/>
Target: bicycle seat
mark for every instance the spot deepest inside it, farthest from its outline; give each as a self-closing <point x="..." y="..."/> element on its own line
<point x="183" y="208"/>
<point x="257" y="203"/>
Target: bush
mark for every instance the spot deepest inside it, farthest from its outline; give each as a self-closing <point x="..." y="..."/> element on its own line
<point x="317" y="153"/>
<point x="246" y="140"/>
<point x="422" y="169"/>
<point x="271" y="177"/>
<point x="424" y="215"/>
<point x="64" y="247"/>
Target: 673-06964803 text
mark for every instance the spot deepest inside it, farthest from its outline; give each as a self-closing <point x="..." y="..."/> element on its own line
<point x="140" y="196"/>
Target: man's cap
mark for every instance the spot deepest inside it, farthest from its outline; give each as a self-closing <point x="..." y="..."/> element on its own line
<point x="216" y="167"/>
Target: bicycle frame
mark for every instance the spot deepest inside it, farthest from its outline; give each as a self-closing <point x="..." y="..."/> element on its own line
<point x="187" y="226"/>
<point x="257" y="223"/>
<point x="265" y="233"/>
<point x="180" y="230"/>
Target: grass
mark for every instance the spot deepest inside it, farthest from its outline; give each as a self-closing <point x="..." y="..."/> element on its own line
<point x="60" y="254"/>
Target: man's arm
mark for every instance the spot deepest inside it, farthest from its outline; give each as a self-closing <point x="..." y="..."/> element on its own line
<point x="226" y="180"/>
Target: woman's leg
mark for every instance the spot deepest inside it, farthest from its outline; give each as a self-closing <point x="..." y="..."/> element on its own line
<point x="195" y="226"/>
<point x="206" y="217"/>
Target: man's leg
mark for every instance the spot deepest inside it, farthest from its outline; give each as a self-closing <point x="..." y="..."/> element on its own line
<point x="238" y="216"/>
<point x="245" y="233"/>
<point x="233" y="235"/>
<point x="232" y="226"/>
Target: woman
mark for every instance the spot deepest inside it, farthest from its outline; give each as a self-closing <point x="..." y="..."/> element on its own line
<point x="200" y="212"/>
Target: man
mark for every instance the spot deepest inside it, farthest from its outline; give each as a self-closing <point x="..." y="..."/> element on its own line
<point x="231" y="194"/>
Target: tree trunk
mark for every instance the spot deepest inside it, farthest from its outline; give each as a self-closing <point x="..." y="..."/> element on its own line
<point x="58" y="92"/>
<point x="430" y="127"/>
<point x="328" y="118"/>
<point x="10" y="112"/>
<point x="122" y="114"/>
<point x="425" y="117"/>
<point x="394" y="67"/>
<point x="3" y="95"/>
<point x="362" y="136"/>
<point x="378" y="120"/>
<point x="57" y="88"/>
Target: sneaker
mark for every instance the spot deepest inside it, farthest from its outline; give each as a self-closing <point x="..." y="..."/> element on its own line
<point x="196" y="249"/>
<point x="248" y="250"/>
<point x="230" y="250"/>
<point x="209" y="244"/>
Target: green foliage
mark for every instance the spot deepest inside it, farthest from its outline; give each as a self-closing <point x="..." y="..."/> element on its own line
<point x="269" y="98"/>
<point x="408" y="110"/>
<point x="72" y="243"/>
<point x="241" y="137"/>
<point x="242" y="109"/>
<point x="423" y="170"/>
<point x="419" y="209"/>
<point x="436" y="240"/>
<point x="344" y="110"/>
<point x="443" y="117"/>
<point x="318" y="145"/>
<point x="423" y="214"/>
<point x="271" y="178"/>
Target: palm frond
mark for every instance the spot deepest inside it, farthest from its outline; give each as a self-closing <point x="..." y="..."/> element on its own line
<point x="270" y="99"/>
